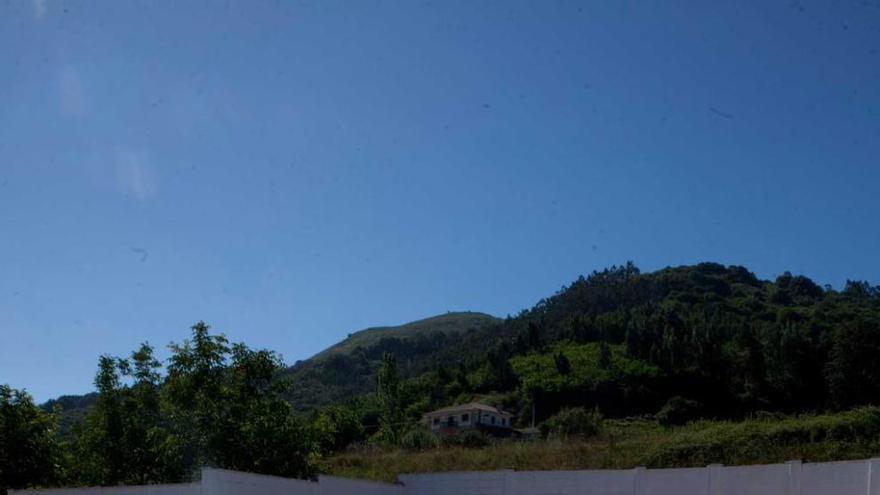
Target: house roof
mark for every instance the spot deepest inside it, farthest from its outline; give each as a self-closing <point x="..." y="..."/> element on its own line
<point x="469" y="407"/>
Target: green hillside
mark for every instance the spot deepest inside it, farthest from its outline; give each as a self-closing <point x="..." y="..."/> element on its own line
<point x="690" y="342"/>
<point x="446" y="323"/>
<point x="347" y="369"/>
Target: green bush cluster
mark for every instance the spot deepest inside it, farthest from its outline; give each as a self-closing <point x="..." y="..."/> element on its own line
<point x="678" y="411"/>
<point x="576" y="422"/>
<point x="419" y="438"/>
<point x="472" y="439"/>
<point x="843" y="435"/>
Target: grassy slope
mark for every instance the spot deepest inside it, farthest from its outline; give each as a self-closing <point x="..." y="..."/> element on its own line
<point x="626" y="444"/>
<point x="446" y="323"/>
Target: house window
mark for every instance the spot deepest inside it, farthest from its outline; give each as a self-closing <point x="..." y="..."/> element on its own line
<point x="503" y="421"/>
<point x="493" y="420"/>
<point x="450" y="421"/>
<point x="465" y="418"/>
<point x="436" y="421"/>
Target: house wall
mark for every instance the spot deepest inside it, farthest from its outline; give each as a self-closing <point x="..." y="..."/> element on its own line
<point x="444" y="418"/>
<point x="475" y="417"/>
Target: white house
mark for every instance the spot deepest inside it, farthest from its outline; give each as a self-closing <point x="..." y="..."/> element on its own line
<point x="473" y="415"/>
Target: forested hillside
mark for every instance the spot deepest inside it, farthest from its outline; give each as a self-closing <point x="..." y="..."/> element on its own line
<point x="646" y="352"/>
<point x="693" y="341"/>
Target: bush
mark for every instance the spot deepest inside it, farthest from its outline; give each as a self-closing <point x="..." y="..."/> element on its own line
<point x="471" y="439"/>
<point x="419" y="439"/>
<point x="336" y="427"/>
<point x="678" y="411"/>
<point x="814" y="438"/>
<point x="574" y="422"/>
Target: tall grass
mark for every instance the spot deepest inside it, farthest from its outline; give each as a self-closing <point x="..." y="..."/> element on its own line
<point x="626" y="444"/>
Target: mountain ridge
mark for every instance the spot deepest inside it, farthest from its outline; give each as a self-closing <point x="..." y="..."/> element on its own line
<point x="446" y="322"/>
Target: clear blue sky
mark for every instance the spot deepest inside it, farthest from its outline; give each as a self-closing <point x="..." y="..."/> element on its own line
<point x="293" y="171"/>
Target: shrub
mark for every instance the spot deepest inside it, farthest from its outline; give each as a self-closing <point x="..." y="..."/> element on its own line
<point x="574" y="422"/>
<point x="471" y="439"/>
<point x="335" y="427"/>
<point x="678" y="411"/>
<point x="419" y="438"/>
<point x="812" y="438"/>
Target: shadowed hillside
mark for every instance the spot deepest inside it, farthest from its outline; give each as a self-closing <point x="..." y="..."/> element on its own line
<point x="347" y="369"/>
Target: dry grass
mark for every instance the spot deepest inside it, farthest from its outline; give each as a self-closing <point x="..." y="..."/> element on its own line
<point x="612" y="449"/>
<point x="626" y="444"/>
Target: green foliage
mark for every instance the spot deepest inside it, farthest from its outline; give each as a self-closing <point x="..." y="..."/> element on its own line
<point x="219" y="405"/>
<point x="563" y="365"/>
<point x="125" y="439"/>
<point x="624" y="444"/>
<point x="419" y="438"/>
<point x="576" y="422"/>
<point x="470" y="439"/>
<point x="336" y="427"/>
<point x="388" y="394"/>
<point x="852" y="434"/>
<point x="587" y="382"/>
<point x="229" y="408"/>
<point x="678" y="411"/>
<point x="716" y="334"/>
<point x="29" y="450"/>
<point x="71" y="409"/>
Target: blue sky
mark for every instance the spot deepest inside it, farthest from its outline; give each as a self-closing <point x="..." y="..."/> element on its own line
<point x="293" y="171"/>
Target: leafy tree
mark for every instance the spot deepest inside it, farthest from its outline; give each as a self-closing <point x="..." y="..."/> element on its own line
<point x="228" y="408"/>
<point x="388" y="393"/>
<point x="563" y="365"/>
<point x="153" y="451"/>
<point x="604" y="355"/>
<point x="29" y="449"/>
<point x="193" y="395"/>
<point x="125" y="438"/>
<point x="535" y="339"/>
<point x="101" y="449"/>
<point x="853" y="377"/>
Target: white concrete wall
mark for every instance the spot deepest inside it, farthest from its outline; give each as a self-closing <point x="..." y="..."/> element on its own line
<point x="602" y="482"/>
<point x="224" y="482"/>
<point x="181" y="489"/>
<point x="475" y="483"/>
<point x="690" y="481"/>
<point x="793" y="478"/>
<point x="332" y="485"/>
